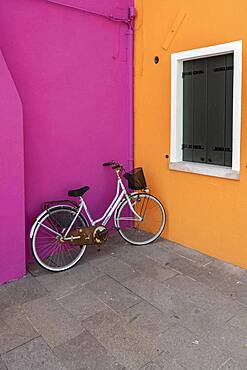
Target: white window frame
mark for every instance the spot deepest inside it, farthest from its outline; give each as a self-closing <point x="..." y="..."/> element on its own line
<point x="176" y="154"/>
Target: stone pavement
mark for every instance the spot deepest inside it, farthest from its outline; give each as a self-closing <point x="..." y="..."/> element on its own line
<point x="161" y="306"/>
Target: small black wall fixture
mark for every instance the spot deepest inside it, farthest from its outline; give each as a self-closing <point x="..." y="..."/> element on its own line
<point x="156" y="59"/>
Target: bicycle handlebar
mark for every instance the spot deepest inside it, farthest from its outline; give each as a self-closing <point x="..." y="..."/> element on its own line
<point x="112" y="163"/>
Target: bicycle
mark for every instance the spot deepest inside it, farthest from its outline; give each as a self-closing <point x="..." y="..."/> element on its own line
<point x="61" y="233"/>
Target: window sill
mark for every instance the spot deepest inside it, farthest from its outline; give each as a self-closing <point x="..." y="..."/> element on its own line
<point x="205" y="169"/>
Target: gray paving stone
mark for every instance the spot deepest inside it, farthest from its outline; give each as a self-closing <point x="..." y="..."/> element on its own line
<point x="36" y="270"/>
<point x="243" y="277"/>
<point x="230" y="340"/>
<point x="15" y="329"/>
<point x="176" y="340"/>
<point x="81" y="303"/>
<point x="239" y="320"/>
<point x="185" y="285"/>
<point x="200" y="308"/>
<point x="127" y="344"/>
<point x="201" y="357"/>
<point x="57" y="284"/>
<point x="187" y="252"/>
<point x="64" y="281"/>
<point x="3" y="327"/>
<point x="34" y="355"/>
<point x="191" y="351"/>
<point x="85" y="352"/>
<point x="102" y="321"/>
<point x="199" y="321"/>
<point x="147" y="266"/>
<point x="165" y="362"/>
<point x="5" y="298"/>
<point x="2" y="365"/>
<point x="147" y="319"/>
<point x="152" y="251"/>
<point x="95" y="258"/>
<point x="25" y="290"/>
<point x="117" y="247"/>
<point x="221" y="274"/>
<point x="83" y="273"/>
<point x="230" y="365"/>
<point x="118" y="269"/>
<point x="52" y="321"/>
<point x="227" y="269"/>
<point x="184" y="266"/>
<point x="235" y="289"/>
<point x="202" y="296"/>
<point x="152" y="291"/>
<point x="157" y="253"/>
<point x="112" y="293"/>
<point x="186" y="289"/>
<point x="151" y="366"/>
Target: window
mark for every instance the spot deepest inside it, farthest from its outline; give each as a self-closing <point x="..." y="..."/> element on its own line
<point x="206" y="110"/>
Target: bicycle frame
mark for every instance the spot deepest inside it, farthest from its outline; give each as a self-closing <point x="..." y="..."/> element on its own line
<point x="121" y="192"/>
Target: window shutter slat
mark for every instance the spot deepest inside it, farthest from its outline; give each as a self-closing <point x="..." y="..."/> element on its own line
<point x="216" y="109"/>
<point x="187" y="112"/>
<point x="199" y="110"/>
<point x="229" y="104"/>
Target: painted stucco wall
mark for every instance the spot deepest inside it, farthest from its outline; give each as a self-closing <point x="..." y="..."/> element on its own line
<point x="12" y="225"/>
<point x="72" y="72"/>
<point x="205" y="213"/>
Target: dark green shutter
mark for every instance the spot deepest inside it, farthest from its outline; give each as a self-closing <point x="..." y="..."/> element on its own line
<point x="207" y="110"/>
<point x="216" y="109"/>
<point x="199" y="111"/>
<point x="229" y="104"/>
<point x="187" y="112"/>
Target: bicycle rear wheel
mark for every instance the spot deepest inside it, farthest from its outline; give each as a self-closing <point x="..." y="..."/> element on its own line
<point x="48" y="249"/>
<point x="149" y="228"/>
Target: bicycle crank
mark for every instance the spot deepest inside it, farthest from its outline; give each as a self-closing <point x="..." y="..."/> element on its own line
<point x="88" y="235"/>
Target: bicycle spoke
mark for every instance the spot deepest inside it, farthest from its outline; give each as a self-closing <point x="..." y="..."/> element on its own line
<point x="50" y="252"/>
<point x="141" y="231"/>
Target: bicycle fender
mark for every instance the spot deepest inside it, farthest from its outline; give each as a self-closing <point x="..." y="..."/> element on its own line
<point x="41" y="216"/>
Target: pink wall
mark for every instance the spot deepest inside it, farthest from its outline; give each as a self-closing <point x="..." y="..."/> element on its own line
<point x="12" y="218"/>
<point x="72" y="71"/>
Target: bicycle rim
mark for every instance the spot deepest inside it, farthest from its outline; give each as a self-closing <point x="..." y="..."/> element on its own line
<point x="152" y="224"/>
<point x="47" y="249"/>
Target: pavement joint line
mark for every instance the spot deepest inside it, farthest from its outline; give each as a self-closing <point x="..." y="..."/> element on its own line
<point x="207" y="263"/>
<point x="102" y="344"/>
<point x="67" y="292"/>
<point x="188" y="259"/>
<point x="172" y="277"/>
<point x="227" y="321"/>
<point x="173" y="269"/>
<point x="224" y="363"/>
<point x="105" y="304"/>
<point x="142" y="299"/>
<point x="135" y="304"/>
<point x="29" y="320"/>
<point x="23" y="344"/>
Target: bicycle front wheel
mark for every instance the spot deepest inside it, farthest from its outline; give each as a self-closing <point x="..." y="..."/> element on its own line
<point x="49" y="249"/>
<point x="145" y="230"/>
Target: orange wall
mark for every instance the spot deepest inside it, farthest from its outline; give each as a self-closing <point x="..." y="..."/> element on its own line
<point x="205" y="213"/>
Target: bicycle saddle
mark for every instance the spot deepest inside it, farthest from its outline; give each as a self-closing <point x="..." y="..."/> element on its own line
<point x="78" y="192"/>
